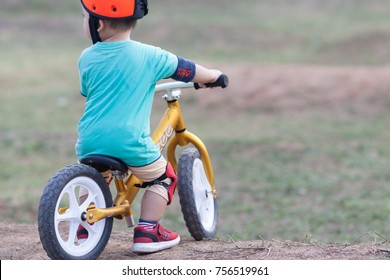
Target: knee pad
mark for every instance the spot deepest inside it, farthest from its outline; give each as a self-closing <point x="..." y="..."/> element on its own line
<point x="170" y="173"/>
<point x="160" y="190"/>
<point x="168" y="180"/>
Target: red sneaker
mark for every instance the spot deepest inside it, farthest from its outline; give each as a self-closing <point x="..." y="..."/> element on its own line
<point x="149" y="241"/>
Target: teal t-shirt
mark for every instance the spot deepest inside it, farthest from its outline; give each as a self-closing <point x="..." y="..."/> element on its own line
<point x="118" y="80"/>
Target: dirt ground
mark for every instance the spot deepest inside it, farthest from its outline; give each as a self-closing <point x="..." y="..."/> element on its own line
<point x="21" y="242"/>
<point x="255" y="85"/>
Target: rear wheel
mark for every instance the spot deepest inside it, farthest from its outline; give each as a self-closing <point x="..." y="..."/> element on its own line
<point x="61" y="213"/>
<point x="198" y="205"/>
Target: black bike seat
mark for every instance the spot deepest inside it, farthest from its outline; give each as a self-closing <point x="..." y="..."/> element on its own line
<point x="103" y="163"/>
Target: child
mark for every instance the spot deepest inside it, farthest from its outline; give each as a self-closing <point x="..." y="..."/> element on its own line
<point x="118" y="77"/>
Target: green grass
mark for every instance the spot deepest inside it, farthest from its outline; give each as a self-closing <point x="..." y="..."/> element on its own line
<point x="318" y="174"/>
<point x="320" y="171"/>
<point x="277" y="31"/>
<point x="323" y="182"/>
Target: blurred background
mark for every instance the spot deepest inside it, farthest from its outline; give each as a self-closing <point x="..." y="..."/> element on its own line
<point x="300" y="141"/>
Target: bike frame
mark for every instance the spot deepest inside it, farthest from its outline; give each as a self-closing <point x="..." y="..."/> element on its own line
<point x="170" y="126"/>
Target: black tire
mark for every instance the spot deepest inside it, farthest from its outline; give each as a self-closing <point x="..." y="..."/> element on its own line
<point x="60" y="213"/>
<point x="198" y="205"/>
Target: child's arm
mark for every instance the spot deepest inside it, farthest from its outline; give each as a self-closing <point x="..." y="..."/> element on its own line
<point x="188" y="71"/>
<point x="204" y="75"/>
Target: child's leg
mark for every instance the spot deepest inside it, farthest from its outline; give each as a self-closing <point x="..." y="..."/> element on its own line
<point x="153" y="203"/>
<point x="155" y="199"/>
<point x="149" y="235"/>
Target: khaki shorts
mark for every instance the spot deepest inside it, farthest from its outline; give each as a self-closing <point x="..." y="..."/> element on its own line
<point x="151" y="172"/>
<point x="147" y="173"/>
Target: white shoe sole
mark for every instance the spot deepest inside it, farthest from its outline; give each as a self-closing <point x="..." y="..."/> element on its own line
<point x="154" y="246"/>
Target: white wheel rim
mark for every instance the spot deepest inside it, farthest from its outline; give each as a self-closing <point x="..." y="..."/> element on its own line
<point x="204" y="199"/>
<point x="67" y="223"/>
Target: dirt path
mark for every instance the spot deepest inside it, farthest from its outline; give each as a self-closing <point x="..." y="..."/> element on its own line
<point x="21" y="242"/>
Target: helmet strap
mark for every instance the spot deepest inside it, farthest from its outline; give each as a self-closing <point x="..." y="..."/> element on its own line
<point x="93" y="28"/>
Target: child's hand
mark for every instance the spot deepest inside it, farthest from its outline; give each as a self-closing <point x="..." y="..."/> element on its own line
<point x="216" y="74"/>
<point x="213" y="76"/>
<point x="222" y="81"/>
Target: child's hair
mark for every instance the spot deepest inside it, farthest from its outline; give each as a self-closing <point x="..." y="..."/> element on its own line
<point x="121" y="24"/>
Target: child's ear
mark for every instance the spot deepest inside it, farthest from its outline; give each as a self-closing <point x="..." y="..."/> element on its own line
<point x="102" y="25"/>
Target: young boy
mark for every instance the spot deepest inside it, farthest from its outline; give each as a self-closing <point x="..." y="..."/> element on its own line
<point x="118" y="77"/>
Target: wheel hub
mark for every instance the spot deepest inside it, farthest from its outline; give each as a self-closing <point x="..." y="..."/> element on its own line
<point x="84" y="216"/>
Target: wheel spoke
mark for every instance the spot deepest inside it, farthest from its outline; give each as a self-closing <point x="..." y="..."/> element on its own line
<point x="73" y="212"/>
<point x="73" y="226"/>
<point x="91" y="228"/>
<point x="72" y="216"/>
<point x="88" y="201"/>
<point x="73" y="200"/>
<point x="69" y="215"/>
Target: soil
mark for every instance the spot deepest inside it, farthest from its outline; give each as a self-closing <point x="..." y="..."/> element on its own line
<point x="276" y="87"/>
<point x="21" y="242"/>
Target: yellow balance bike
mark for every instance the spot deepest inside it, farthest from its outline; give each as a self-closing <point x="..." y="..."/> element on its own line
<point x="61" y="212"/>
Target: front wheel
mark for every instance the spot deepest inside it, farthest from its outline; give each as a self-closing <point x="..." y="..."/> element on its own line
<point x="198" y="205"/>
<point x="62" y="213"/>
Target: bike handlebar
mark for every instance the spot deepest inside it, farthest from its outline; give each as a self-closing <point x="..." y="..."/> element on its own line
<point x="223" y="82"/>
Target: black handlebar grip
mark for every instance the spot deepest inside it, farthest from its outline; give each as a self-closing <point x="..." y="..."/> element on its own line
<point x="223" y="81"/>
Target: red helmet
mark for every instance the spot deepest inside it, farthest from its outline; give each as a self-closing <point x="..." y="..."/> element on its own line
<point x="112" y="9"/>
<point x="116" y="9"/>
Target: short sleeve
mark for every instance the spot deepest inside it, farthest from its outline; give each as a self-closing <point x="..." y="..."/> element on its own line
<point x="82" y="78"/>
<point x="165" y="64"/>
